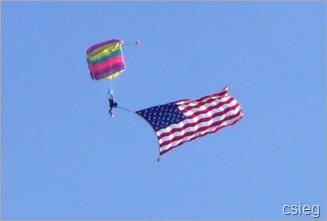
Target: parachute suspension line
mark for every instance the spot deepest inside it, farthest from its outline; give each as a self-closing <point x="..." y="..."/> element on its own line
<point x="114" y="83"/>
<point x="111" y="87"/>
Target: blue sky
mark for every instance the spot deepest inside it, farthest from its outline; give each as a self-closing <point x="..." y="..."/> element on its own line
<point x="64" y="158"/>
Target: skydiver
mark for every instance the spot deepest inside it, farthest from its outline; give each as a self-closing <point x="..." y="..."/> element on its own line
<point x="112" y="104"/>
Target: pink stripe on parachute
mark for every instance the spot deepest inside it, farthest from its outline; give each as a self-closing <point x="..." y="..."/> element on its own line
<point x="119" y="59"/>
<point x="107" y="71"/>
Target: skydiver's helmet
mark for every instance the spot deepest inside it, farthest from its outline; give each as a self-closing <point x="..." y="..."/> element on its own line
<point x="110" y="92"/>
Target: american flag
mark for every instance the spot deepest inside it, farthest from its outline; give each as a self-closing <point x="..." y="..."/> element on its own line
<point x="181" y="121"/>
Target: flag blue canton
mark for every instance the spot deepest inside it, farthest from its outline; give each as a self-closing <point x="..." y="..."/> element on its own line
<point x="162" y="116"/>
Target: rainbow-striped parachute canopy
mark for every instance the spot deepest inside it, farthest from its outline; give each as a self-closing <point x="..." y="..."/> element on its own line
<point x="105" y="59"/>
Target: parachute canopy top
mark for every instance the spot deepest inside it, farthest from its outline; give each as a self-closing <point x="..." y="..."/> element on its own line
<point x="105" y="59"/>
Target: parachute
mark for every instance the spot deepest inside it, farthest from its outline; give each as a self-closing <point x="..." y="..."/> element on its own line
<point x="105" y="59"/>
<point x="106" y="62"/>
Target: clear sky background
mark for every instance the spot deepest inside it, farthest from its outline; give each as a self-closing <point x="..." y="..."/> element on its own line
<point x="64" y="158"/>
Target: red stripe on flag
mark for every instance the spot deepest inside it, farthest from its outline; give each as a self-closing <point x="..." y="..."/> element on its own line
<point x="214" y="130"/>
<point x="202" y="120"/>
